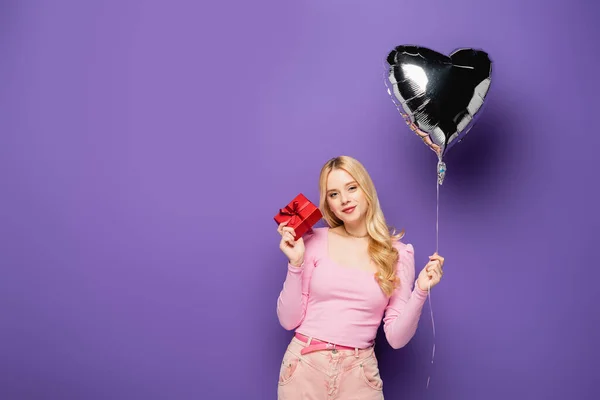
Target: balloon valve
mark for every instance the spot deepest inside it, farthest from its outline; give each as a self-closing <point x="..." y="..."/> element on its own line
<point x="441" y="172"/>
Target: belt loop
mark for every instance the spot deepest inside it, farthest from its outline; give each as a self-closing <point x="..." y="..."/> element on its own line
<point x="309" y="340"/>
<point x="356" y="352"/>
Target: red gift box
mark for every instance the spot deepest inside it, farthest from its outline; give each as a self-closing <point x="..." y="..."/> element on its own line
<point x="301" y="214"/>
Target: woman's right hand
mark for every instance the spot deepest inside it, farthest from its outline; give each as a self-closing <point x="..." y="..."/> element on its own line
<point x="293" y="249"/>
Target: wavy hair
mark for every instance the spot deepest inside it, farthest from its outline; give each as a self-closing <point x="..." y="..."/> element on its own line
<point x="381" y="249"/>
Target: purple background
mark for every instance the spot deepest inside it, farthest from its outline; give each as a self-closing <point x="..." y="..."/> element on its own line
<point x="145" y="147"/>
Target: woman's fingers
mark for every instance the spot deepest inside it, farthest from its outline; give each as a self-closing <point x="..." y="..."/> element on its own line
<point x="280" y="227"/>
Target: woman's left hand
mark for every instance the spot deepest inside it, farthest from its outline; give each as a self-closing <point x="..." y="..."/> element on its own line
<point x="432" y="273"/>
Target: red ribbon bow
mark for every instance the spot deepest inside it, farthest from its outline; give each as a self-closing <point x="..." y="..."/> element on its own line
<point x="293" y="211"/>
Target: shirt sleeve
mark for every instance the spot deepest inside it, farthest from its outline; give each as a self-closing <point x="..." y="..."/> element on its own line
<point x="293" y="298"/>
<point x="404" y="309"/>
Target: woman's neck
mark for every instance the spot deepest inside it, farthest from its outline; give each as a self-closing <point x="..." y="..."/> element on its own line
<point x="357" y="230"/>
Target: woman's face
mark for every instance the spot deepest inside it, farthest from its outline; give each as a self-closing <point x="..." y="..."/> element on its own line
<point x="344" y="197"/>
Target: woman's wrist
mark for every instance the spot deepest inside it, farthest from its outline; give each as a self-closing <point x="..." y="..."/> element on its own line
<point x="297" y="263"/>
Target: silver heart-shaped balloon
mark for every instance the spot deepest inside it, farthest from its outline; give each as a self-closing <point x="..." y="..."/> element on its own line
<point x="439" y="96"/>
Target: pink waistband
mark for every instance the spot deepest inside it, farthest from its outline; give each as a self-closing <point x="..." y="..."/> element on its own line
<point x="316" y="345"/>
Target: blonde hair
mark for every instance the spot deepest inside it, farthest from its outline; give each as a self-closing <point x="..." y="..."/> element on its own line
<point x="381" y="249"/>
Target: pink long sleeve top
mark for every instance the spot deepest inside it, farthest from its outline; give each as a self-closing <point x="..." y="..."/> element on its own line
<point x="345" y="305"/>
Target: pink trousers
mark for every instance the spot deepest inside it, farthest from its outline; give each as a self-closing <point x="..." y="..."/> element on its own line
<point x="329" y="374"/>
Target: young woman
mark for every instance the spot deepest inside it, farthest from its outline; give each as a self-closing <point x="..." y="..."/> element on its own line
<point x="341" y="282"/>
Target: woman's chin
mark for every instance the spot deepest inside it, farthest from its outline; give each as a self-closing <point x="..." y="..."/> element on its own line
<point x="351" y="218"/>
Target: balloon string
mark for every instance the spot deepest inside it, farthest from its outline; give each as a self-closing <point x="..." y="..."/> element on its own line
<point x="437" y="217"/>
<point x="441" y="171"/>
<point x="433" y="325"/>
